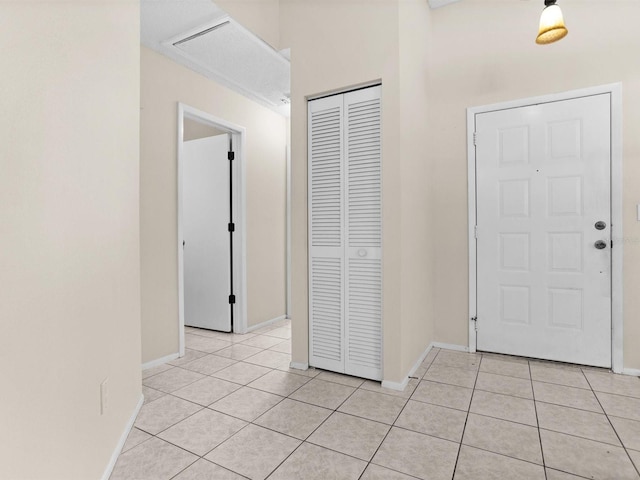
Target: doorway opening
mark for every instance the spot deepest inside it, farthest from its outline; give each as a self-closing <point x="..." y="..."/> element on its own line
<point x="545" y="275"/>
<point x="211" y="223"/>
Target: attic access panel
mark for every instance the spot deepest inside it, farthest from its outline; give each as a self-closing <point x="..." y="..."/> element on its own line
<point x="231" y="52"/>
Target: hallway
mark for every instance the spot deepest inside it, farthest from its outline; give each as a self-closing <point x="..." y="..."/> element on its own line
<point x="232" y="409"/>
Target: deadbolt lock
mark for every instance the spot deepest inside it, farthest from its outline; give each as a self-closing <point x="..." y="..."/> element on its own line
<point x="600" y="225"/>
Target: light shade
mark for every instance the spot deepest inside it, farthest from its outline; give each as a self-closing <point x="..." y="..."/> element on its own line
<point x="552" y="26"/>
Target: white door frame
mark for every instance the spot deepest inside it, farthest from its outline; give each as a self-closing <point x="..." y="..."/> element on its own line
<point x="617" y="320"/>
<point x="288" y="241"/>
<point x="239" y="213"/>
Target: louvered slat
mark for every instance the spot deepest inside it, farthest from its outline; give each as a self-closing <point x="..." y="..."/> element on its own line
<point x="326" y="311"/>
<point x="326" y="184"/>
<point x="365" y="313"/>
<point x="364" y="209"/>
<point x="364" y="234"/>
<point x="326" y="224"/>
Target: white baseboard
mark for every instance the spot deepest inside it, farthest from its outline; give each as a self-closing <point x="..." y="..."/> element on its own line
<point x="400" y="386"/>
<point x="123" y="438"/>
<point x="416" y="365"/>
<point x="450" y="346"/>
<point x="631" y="371"/>
<point x="266" y="323"/>
<point x="160" y="361"/>
<point x="299" y="366"/>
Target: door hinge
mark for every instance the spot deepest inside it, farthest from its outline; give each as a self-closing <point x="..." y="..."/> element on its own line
<point x="231" y="155"/>
<point x="611" y="243"/>
<point x="232" y="299"/>
<point x="232" y="227"/>
<point x="475" y="322"/>
<point x="475" y="138"/>
<point x="475" y="231"/>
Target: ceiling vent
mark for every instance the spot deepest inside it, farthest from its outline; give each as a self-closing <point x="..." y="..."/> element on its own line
<point x="231" y="54"/>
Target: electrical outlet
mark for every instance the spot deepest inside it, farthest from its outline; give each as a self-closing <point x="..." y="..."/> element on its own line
<point x="104" y="396"/>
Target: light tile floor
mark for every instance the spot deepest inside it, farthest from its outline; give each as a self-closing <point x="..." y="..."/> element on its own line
<point x="232" y="409"/>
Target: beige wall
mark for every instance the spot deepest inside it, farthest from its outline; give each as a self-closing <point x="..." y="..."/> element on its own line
<point x="484" y="52"/>
<point x="69" y="235"/>
<point x="194" y="130"/>
<point x="419" y="239"/>
<point x="335" y="45"/>
<point x="262" y="17"/>
<point x="164" y="84"/>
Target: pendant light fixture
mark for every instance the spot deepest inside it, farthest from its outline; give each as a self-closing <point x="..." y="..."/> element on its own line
<point x="552" y="26"/>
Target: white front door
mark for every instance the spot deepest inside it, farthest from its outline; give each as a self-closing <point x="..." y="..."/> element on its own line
<point x="207" y="254"/>
<point x="543" y="175"/>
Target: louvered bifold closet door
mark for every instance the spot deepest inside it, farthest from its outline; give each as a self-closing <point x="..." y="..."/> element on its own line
<point x="326" y="233"/>
<point x="363" y="292"/>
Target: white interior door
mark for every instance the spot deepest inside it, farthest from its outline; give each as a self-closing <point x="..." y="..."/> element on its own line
<point x="363" y="306"/>
<point x="345" y="233"/>
<point x="543" y="260"/>
<point x="326" y="233"/>
<point x="207" y="256"/>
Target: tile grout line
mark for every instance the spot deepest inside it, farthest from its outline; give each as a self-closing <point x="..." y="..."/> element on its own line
<point x="199" y="405"/>
<point x="389" y="431"/>
<point x="284" y="460"/>
<point x="271" y="369"/>
<point x="275" y="431"/>
<point x="626" y="450"/>
<point x="525" y="398"/>
<point x="489" y="416"/>
<point x="302" y="442"/>
<point x="173" y="424"/>
<point x="535" y="409"/>
<point x="183" y="386"/>
<point x="191" y="415"/>
<point x="473" y="391"/>
<point x="393" y="424"/>
<point x="490" y="451"/>
<point x="510" y="457"/>
<point x="583" y="438"/>
<point x="202" y="408"/>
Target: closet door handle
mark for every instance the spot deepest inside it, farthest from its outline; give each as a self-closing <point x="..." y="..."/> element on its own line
<point x="362" y="252"/>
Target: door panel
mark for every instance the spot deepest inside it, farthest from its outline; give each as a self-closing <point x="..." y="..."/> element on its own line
<point x="543" y="181"/>
<point x="207" y="255"/>
<point x="326" y="234"/>
<point x="364" y="232"/>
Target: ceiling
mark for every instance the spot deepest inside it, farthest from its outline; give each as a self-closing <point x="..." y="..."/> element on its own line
<point x="204" y="38"/>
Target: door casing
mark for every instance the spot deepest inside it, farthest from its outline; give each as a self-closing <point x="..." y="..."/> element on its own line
<point x="239" y="213"/>
<point x="615" y="92"/>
